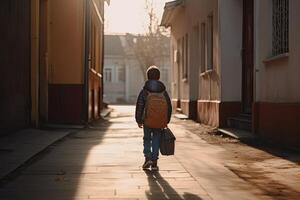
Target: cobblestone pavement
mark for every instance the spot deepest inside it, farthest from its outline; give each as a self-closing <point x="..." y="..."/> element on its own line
<point x="104" y="162"/>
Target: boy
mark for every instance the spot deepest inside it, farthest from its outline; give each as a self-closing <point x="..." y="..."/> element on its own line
<point x="153" y="113"/>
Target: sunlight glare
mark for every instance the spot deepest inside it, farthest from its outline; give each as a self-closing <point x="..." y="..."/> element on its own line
<point x="129" y="16"/>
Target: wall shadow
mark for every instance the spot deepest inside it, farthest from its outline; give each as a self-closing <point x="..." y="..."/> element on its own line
<point x="274" y="149"/>
<point x="56" y="172"/>
<point x="161" y="189"/>
<point x="265" y="145"/>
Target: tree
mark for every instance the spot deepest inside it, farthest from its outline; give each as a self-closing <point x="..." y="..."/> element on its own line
<point x="151" y="46"/>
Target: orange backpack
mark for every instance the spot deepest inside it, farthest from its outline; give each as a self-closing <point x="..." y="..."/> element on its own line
<point x="156" y="111"/>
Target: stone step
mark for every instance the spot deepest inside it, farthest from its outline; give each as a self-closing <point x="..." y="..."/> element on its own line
<point x="245" y="116"/>
<point x="181" y="116"/>
<point x="238" y="134"/>
<point x="240" y="123"/>
<point x="179" y="110"/>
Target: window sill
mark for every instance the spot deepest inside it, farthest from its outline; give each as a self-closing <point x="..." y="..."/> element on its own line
<point x="207" y="72"/>
<point x="278" y="57"/>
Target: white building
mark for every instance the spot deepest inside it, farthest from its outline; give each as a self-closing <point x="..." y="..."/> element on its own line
<point x="123" y="78"/>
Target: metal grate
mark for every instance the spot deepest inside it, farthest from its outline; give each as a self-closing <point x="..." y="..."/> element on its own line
<point x="280" y="27"/>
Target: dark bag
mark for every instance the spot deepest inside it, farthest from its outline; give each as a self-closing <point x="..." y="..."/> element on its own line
<point x="167" y="142"/>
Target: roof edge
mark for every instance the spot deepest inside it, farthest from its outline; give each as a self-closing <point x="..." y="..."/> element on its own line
<point x="170" y="12"/>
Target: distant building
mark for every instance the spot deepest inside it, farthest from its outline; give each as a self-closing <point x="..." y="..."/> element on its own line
<point x="123" y="78"/>
<point x="236" y="64"/>
<point x="114" y="70"/>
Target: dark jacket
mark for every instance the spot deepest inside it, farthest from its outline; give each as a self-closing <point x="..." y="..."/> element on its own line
<point x="152" y="86"/>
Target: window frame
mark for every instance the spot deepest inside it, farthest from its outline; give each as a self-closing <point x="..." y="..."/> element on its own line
<point x="186" y="64"/>
<point x="203" y="47"/>
<point x="165" y="75"/>
<point x="210" y="43"/>
<point x="280" y="33"/>
<point x="122" y="70"/>
<point x="182" y="44"/>
<point x="106" y="80"/>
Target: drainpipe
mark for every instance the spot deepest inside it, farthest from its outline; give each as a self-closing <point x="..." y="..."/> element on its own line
<point x="86" y="62"/>
<point x="102" y="67"/>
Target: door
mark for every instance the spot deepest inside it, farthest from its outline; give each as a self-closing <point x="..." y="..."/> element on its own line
<point x="247" y="56"/>
<point x="43" y="62"/>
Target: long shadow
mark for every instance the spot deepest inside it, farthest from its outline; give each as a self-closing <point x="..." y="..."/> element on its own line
<point x="274" y="149"/>
<point x="100" y="127"/>
<point x="56" y="172"/>
<point x="278" y="190"/>
<point x="161" y="189"/>
<point x="265" y="145"/>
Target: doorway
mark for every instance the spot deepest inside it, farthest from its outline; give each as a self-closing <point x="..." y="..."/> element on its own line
<point x="179" y="57"/>
<point x="247" y="56"/>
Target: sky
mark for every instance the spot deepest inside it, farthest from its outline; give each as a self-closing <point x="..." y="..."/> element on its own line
<point x="129" y="16"/>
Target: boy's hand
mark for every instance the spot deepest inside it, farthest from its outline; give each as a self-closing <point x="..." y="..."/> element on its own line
<point x="140" y="125"/>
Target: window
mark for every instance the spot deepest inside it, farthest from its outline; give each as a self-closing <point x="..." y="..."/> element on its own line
<point x="178" y="52"/>
<point x="203" y="47"/>
<point x="280" y="27"/>
<point x="210" y="43"/>
<point x="108" y="75"/>
<point x="121" y="74"/>
<point x="186" y="64"/>
<point x="92" y="56"/>
<point x="185" y="55"/>
<point x="165" y="75"/>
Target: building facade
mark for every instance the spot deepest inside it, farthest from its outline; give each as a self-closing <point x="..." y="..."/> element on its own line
<point x="123" y="76"/>
<point x="276" y="71"/>
<point x="70" y="58"/>
<point x="52" y="62"/>
<point x="234" y="64"/>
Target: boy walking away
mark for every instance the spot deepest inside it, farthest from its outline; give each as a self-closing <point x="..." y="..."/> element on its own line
<point x="153" y="113"/>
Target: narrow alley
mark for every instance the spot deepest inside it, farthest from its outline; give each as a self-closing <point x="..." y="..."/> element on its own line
<point x="104" y="162"/>
<point x="223" y="76"/>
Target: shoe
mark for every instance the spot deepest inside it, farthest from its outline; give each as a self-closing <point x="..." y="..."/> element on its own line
<point x="147" y="164"/>
<point x="154" y="166"/>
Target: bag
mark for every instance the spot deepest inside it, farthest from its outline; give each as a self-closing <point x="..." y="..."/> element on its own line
<point x="156" y="111"/>
<point x="167" y="142"/>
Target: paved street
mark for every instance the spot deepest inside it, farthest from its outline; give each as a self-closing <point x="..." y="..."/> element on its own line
<point x="104" y="162"/>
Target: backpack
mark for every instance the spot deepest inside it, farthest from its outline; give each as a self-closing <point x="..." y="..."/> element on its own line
<point x="156" y="111"/>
